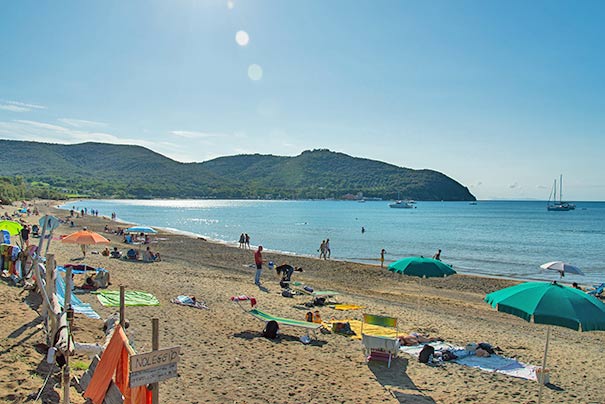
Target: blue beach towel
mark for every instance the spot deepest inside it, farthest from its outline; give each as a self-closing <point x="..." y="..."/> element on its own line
<point x="76" y="303"/>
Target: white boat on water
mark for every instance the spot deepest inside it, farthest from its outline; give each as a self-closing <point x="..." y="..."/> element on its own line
<point x="558" y="206"/>
<point x="401" y="205"/>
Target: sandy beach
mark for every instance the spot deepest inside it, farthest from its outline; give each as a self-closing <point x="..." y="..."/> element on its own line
<point x="224" y="358"/>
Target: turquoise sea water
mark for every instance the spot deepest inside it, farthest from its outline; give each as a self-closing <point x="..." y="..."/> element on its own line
<point x="500" y="238"/>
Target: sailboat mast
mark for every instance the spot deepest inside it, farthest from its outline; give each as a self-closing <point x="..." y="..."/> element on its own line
<point x="561" y="188"/>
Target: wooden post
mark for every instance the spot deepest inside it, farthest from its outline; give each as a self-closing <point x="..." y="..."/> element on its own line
<point x="122" y="308"/>
<point x="155" y="345"/>
<point x="49" y="287"/>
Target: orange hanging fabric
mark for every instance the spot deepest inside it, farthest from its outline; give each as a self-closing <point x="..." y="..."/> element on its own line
<point x="115" y="360"/>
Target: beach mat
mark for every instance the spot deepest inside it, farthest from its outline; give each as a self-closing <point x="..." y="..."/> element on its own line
<point x="76" y="303"/>
<point x="111" y="298"/>
<point x="494" y="363"/>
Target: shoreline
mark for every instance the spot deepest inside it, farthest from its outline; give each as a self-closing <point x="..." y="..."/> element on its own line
<point x="344" y="260"/>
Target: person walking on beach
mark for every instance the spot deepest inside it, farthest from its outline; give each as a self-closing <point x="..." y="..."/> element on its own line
<point x="328" y="252"/>
<point x="258" y="260"/>
<point x="322" y="249"/>
<point x="242" y="241"/>
<point x="247" y="240"/>
<point x="382" y="253"/>
<point x="437" y="255"/>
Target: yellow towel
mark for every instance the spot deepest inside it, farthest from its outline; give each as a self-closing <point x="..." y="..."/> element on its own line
<point x="347" y="307"/>
<point x="367" y="329"/>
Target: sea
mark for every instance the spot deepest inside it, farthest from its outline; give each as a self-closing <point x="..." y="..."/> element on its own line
<point x="490" y="238"/>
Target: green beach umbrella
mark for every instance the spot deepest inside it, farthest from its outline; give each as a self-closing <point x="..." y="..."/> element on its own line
<point x="550" y="304"/>
<point x="421" y="267"/>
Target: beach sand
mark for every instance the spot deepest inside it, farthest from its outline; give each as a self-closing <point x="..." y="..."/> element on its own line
<point x="224" y="358"/>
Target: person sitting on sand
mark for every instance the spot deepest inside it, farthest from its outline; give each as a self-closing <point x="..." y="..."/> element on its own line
<point x="150" y="256"/>
<point x="132" y="254"/>
<point x="416" y="338"/>
<point x="105" y="252"/>
<point x="116" y="253"/>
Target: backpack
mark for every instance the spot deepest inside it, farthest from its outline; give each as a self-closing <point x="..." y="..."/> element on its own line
<point x="319" y="301"/>
<point x="425" y="354"/>
<point x="271" y="329"/>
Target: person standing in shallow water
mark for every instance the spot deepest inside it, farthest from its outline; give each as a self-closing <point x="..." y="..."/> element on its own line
<point x="328" y="252"/>
<point x="247" y="240"/>
<point x="437" y="255"/>
<point x="242" y="241"/>
<point x="382" y="253"/>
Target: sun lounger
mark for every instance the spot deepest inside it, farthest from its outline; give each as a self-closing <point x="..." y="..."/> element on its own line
<point x="300" y="287"/>
<point x="380" y="347"/>
<point x="598" y="290"/>
<point x="266" y="317"/>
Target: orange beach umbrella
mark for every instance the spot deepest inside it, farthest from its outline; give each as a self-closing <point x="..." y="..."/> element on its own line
<point x="85" y="237"/>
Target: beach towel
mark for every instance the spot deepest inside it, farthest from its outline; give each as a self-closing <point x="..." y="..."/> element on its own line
<point x="497" y="364"/>
<point x="346" y="307"/>
<point x="369" y="329"/>
<point x="76" y="303"/>
<point x="493" y="363"/>
<point x="111" y="298"/>
<point x="78" y="269"/>
<point x="189" y="301"/>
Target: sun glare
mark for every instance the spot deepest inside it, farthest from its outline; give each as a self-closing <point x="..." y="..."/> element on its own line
<point x="230" y="4"/>
<point x="242" y="38"/>
<point x="255" y="72"/>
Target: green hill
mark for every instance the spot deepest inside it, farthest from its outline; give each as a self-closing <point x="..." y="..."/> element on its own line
<point x="107" y="170"/>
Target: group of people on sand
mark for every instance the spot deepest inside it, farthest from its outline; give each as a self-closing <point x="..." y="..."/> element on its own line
<point x="244" y="241"/>
<point x="324" y="249"/>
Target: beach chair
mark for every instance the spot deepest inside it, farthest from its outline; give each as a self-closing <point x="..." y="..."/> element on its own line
<point x="316" y="294"/>
<point x="266" y="317"/>
<point x="598" y="290"/>
<point x="380" y="347"/>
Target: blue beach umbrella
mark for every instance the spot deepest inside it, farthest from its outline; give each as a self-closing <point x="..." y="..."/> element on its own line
<point x="550" y="304"/>
<point x="140" y="229"/>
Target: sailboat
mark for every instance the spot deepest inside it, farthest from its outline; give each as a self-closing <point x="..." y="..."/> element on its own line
<point x="553" y="204"/>
<point x="399" y="204"/>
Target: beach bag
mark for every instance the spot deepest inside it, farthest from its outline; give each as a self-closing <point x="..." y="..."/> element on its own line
<point x="448" y="356"/>
<point x="486" y="347"/>
<point x="271" y="329"/>
<point x="287" y="293"/>
<point x="308" y="289"/>
<point x="425" y="354"/>
<point x="319" y="301"/>
<point x="309" y="317"/>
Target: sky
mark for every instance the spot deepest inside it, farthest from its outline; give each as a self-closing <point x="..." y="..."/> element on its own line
<point x="501" y="96"/>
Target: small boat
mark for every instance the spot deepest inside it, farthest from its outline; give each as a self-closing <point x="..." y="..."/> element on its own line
<point x="401" y="205"/>
<point x="558" y="206"/>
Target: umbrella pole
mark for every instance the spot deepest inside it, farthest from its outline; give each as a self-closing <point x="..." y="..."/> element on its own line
<point x="541" y="378"/>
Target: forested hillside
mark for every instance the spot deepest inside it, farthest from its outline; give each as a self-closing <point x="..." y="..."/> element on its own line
<point x="122" y="171"/>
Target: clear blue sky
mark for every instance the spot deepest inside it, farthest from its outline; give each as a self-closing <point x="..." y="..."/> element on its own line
<point x="501" y="96"/>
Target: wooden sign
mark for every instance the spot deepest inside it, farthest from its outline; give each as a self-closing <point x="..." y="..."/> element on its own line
<point x="154" y="359"/>
<point x="153" y="375"/>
